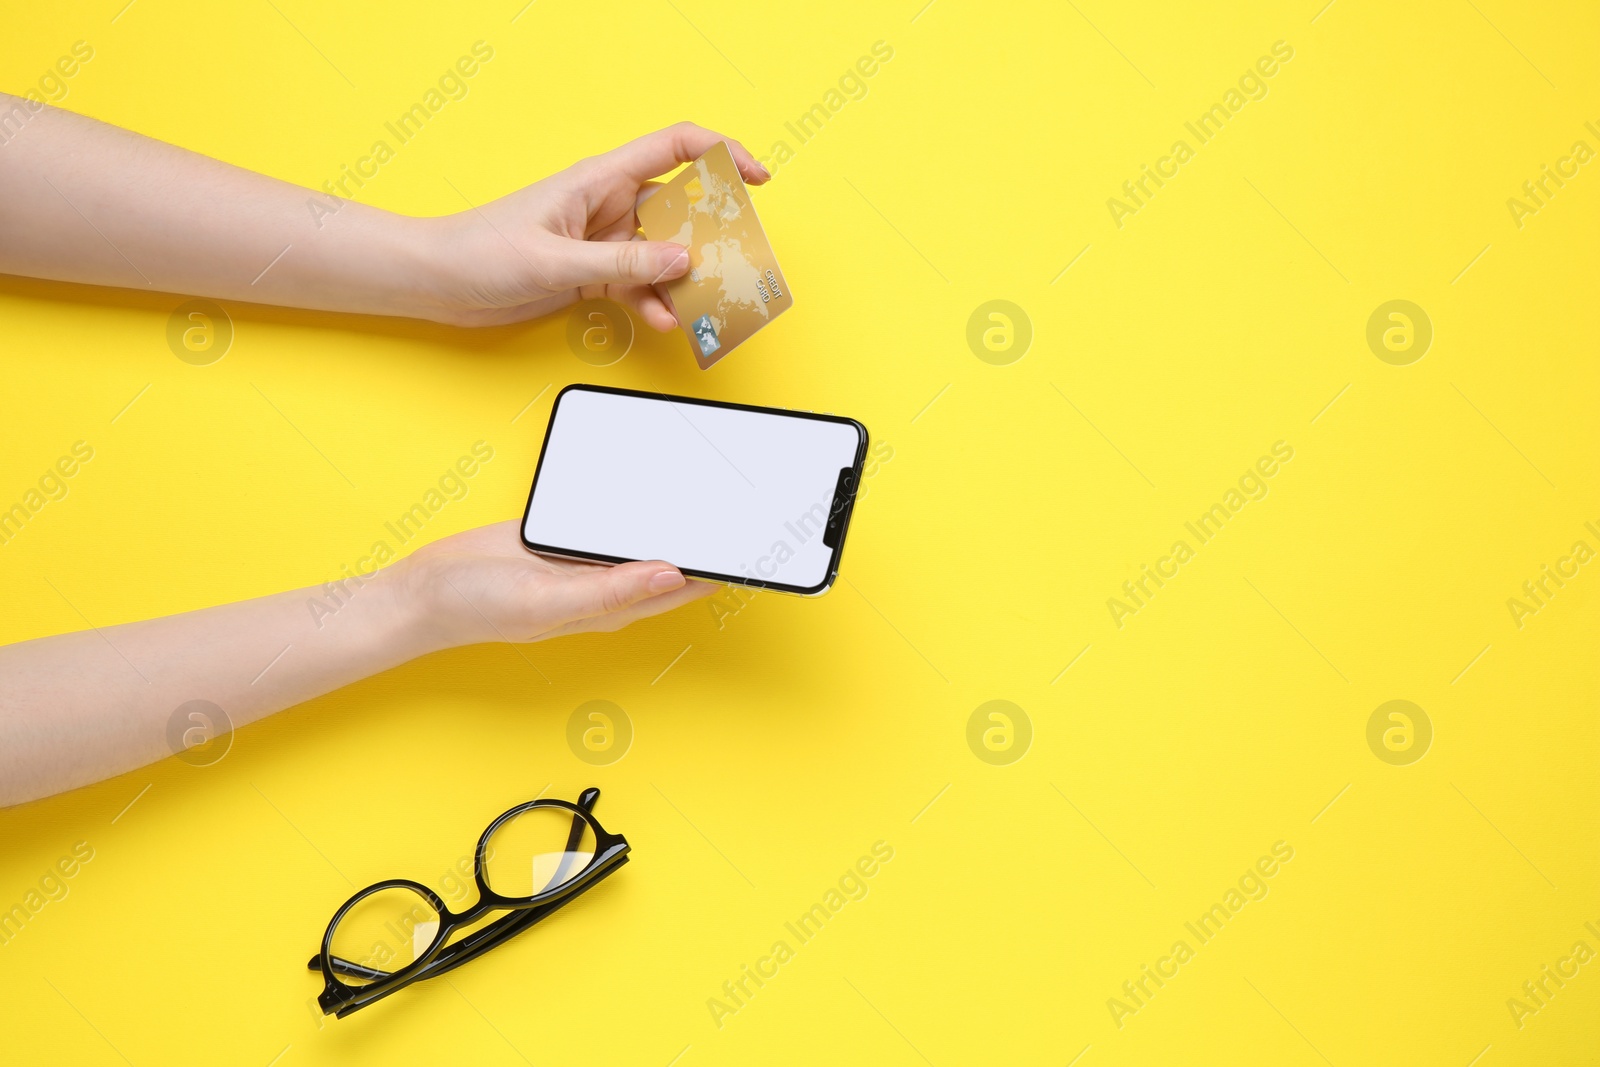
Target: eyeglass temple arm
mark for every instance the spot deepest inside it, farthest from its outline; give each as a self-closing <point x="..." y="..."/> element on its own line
<point x="510" y="928"/>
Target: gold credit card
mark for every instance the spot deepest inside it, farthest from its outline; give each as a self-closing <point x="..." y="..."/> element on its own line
<point x="734" y="286"/>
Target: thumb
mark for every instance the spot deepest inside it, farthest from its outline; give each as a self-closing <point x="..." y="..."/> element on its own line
<point x="596" y="593"/>
<point x="629" y="262"/>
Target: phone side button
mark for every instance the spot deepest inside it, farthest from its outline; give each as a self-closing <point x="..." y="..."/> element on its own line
<point x="840" y="507"/>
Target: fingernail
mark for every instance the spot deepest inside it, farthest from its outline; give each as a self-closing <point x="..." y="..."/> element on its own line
<point x="665" y="581"/>
<point x="766" y="175"/>
<point x="675" y="263"/>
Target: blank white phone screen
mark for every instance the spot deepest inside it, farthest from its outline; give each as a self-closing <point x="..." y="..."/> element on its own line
<point x="712" y="489"/>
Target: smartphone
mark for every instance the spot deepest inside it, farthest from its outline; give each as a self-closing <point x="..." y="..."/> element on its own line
<point x="728" y="492"/>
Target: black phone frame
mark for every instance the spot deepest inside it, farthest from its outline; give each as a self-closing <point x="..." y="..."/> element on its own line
<point x="839" y="510"/>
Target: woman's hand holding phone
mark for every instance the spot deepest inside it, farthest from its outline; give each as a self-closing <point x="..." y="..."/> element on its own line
<point x="482" y="585"/>
<point x="79" y="707"/>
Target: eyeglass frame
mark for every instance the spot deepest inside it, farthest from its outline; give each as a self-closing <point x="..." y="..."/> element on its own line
<point x="610" y="853"/>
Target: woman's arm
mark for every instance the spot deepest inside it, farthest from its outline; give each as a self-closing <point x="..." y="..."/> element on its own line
<point x="81" y="201"/>
<point x="84" y="706"/>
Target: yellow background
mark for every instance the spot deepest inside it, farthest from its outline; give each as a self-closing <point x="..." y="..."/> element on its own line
<point x="1223" y="317"/>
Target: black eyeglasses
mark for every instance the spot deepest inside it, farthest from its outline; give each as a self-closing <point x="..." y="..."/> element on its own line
<point x="531" y="861"/>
